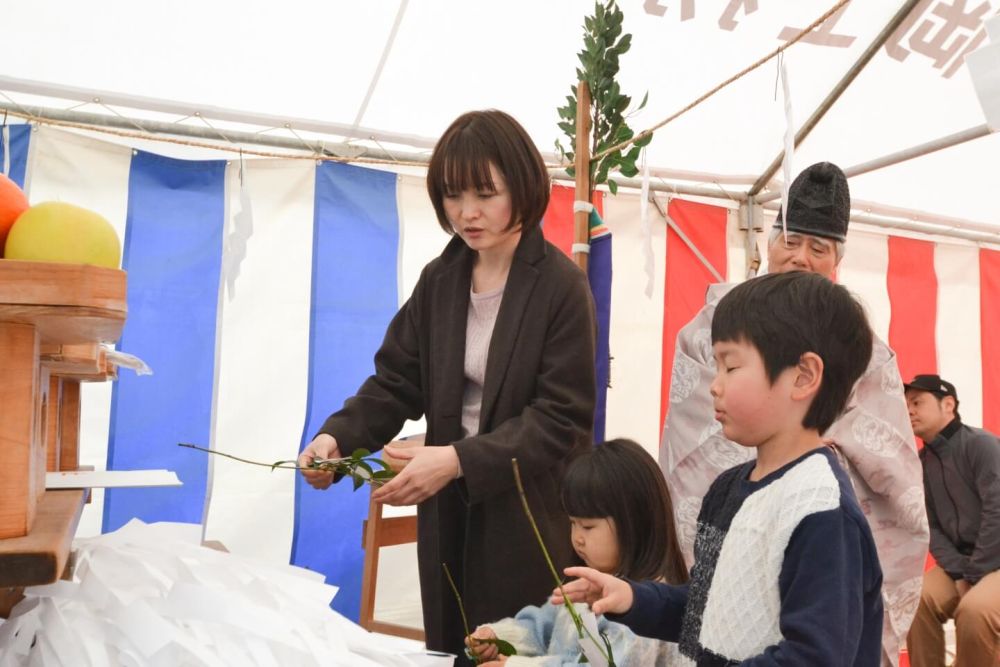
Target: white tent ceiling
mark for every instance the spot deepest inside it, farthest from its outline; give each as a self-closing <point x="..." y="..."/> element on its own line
<point x="319" y="60"/>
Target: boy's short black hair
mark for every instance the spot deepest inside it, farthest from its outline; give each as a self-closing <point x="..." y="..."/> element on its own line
<point x="785" y="315"/>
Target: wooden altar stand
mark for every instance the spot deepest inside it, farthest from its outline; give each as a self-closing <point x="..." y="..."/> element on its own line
<point x="53" y="319"/>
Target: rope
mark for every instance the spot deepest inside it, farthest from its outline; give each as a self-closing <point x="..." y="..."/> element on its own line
<point x="204" y="144"/>
<point x="645" y="133"/>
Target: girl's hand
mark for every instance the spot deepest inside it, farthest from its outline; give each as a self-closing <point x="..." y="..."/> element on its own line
<point x="502" y="660"/>
<point x="426" y="473"/>
<point x="481" y="650"/>
<point x="603" y="592"/>
<point x="323" y="446"/>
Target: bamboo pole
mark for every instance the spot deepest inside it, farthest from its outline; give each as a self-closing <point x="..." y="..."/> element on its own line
<point x="581" y="219"/>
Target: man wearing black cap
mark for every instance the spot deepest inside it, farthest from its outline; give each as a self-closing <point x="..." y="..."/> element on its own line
<point x="962" y="485"/>
<point x="873" y="437"/>
<point x="819" y="207"/>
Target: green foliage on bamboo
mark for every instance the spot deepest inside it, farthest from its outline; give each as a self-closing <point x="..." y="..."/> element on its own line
<point x="603" y="45"/>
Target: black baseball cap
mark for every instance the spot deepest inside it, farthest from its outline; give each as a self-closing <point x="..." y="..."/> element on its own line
<point x="934" y="384"/>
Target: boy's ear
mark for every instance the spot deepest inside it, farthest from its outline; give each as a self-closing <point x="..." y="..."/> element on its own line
<point x="808" y="376"/>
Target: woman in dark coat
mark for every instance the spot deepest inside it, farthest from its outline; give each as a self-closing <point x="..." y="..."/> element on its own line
<point x="496" y="348"/>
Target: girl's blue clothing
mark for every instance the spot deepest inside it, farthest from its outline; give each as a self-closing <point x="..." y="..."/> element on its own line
<point x="546" y="637"/>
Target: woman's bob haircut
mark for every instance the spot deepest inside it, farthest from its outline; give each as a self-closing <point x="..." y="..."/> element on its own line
<point x="462" y="158"/>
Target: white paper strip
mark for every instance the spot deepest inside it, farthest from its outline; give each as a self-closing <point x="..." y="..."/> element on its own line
<point x="591" y="644"/>
<point x="993" y="29"/>
<point x="786" y="161"/>
<point x="90" y="479"/>
<point x="151" y="595"/>
<point x="648" y="263"/>
<point x="242" y="229"/>
<point x="984" y="68"/>
<point x="126" y="360"/>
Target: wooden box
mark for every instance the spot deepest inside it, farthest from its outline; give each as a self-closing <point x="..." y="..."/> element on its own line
<point x="53" y="318"/>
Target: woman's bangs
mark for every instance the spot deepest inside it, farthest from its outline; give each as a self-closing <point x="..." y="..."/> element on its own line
<point x="467" y="168"/>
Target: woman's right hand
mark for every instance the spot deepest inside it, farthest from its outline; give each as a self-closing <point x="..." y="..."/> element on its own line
<point x="482" y="650"/>
<point x="323" y="446"/>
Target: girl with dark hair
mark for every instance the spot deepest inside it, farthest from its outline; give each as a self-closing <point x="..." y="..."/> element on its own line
<point x="622" y="523"/>
<point x="495" y="347"/>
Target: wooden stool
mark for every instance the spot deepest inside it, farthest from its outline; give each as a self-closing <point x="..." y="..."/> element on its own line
<point x="378" y="532"/>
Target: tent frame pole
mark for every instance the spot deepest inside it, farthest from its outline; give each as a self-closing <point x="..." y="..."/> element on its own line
<point x="919" y="150"/>
<point x="930" y="224"/>
<point x="930" y="228"/>
<point x="185" y="110"/>
<point x="203" y="132"/>
<point x="324" y="149"/>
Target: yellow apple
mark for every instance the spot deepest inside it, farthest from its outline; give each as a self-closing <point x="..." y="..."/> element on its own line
<point x="58" y="232"/>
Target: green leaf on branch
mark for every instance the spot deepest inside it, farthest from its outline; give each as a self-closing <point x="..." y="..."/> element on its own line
<point x="503" y="647"/>
<point x="603" y="44"/>
<point x="506" y="648"/>
<point x="359" y="466"/>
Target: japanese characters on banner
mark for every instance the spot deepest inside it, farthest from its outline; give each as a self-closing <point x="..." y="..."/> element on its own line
<point x="942" y="32"/>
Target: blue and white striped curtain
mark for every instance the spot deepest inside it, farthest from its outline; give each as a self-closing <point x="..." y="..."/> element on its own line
<point x="14" y="141"/>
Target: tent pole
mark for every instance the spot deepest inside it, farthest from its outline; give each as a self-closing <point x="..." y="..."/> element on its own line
<point x="753" y="253"/>
<point x="323" y="148"/>
<point x="660" y="185"/>
<point x="185" y="109"/>
<point x="699" y="255"/>
<point x="838" y="90"/>
<point x="935" y="229"/>
<point x="581" y="219"/>
<point x="906" y="154"/>
<point x="917" y="151"/>
<point x="381" y="64"/>
<point x="204" y="133"/>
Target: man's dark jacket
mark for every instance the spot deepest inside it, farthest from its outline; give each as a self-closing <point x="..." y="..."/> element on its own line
<point x="962" y="487"/>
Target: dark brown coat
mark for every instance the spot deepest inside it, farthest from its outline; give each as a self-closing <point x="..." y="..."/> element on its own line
<point x="538" y="405"/>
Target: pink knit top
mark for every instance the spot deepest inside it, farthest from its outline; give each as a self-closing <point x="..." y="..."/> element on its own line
<point x="483" y="309"/>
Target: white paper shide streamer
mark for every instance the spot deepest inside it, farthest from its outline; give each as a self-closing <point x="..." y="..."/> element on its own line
<point x="786" y="161"/>
<point x="649" y="264"/>
<point x="151" y="595"/>
<point x="236" y="240"/>
<point x="126" y="360"/>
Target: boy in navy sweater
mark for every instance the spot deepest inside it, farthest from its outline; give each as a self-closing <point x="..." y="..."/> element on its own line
<point x="786" y="571"/>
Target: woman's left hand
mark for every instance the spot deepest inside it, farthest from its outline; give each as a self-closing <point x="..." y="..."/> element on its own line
<point x="427" y="472"/>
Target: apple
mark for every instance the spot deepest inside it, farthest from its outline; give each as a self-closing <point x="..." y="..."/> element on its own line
<point x="12" y="204"/>
<point x="58" y="232"/>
